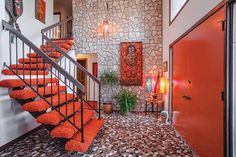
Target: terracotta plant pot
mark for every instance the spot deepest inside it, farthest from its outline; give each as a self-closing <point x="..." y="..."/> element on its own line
<point x="107" y="108"/>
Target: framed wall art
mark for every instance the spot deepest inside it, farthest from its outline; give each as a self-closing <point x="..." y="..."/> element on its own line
<point x="40" y="10"/>
<point x="131" y="67"/>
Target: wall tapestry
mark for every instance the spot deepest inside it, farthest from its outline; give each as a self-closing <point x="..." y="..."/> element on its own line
<point x="131" y="64"/>
<point x="40" y="10"/>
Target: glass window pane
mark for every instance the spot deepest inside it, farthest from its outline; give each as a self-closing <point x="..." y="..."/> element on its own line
<point x="176" y="5"/>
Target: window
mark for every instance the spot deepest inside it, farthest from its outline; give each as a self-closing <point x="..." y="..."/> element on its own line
<point x="175" y="7"/>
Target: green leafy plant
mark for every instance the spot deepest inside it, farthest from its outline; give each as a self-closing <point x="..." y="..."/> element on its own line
<point x="109" y="78"/>
<point x="127" y="101"/>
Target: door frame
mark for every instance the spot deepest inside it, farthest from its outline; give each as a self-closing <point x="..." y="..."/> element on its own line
<point x="86" y="66"/>
<point x="231" y="75"/>
<point x="58" y="13"/>
<point x="228" y="147"/>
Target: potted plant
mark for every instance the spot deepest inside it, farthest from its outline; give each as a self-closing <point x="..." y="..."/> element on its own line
<point x="127" y="101"/>
<point x="108" y="79"/>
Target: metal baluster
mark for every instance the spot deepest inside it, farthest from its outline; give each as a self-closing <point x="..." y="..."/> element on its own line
<point x="82" y="116"/>
<point x="75" y="72"/>
<point x="50" y="35"/>
<point x="17" y="55"/>
<point x="37" y="73"/>
<point x="73" y="103"/>
<point x="99" y="101"/>
<point x="23" y="50"/>
<point x="44" y="81"/>
<point x="94" y="92"/>
<point x="66" y="98"/>
<point x="88" y="97"/>
<point x="30" y="59"/>
<point x="58" y="92"/>
<point x="10" y="48"/>
<point x="51" y="87"/>
<point x="69" y="71"/>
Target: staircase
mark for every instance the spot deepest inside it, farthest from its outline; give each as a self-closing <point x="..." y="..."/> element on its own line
<point x="47" y="88"/>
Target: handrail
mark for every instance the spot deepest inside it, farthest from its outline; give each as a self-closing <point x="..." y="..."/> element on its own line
<point x="7" y="26"/>
<point x="70" y="58"/>
<point x="56" y="24"/>
<point x="50" y="34"/>
<point x="68" y="79"/>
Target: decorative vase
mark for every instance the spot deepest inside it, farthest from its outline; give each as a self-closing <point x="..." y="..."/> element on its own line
<point x="164" y="117"/>
<point x="107" y="108"/>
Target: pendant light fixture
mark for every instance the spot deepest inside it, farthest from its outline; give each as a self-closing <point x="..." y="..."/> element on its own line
<point x="106" y="23"/>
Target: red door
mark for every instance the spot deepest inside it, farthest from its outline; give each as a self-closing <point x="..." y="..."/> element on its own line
<point x="198" y="74"/>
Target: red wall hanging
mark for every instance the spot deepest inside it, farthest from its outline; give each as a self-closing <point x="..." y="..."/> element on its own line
<point x="131" y="64"/>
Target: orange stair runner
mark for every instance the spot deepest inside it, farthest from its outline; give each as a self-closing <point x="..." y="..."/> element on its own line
<point x="41" y="105"/>
<point x="29" y="93"/>
<point x="53" y="117"/>
<point x="30" y="60"/>
<point x="24" y="72"/>
<point x="50" y="54"/>
<point x="13" y="83"/>
<point x="90" y="131"/>
<point x="28" y="66"/>
<point x="66" y="130"/>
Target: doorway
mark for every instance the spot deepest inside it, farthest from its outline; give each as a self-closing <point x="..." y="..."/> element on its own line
<point x="198" y="85"/>
<point x="81" y="75"/>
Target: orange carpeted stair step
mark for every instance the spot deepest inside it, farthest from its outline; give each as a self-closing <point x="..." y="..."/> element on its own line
<point x="94" y="104"/>
<point x="50" y="54"/>
<point x="67" y="130"/>
<point x="66" y="46"/>
<point x="41" y="105"/>
<point x="28" y="66"/>
<point x="70" y="42"/>
<point x="30" y="60"/>
<point x="13" y="83"/>
<point x="25" y="72"/>
<point x="51" y="49"/>
<point x="29" y="93"/>
<point x="53" y="117"/>
<point x="90" y="131"/>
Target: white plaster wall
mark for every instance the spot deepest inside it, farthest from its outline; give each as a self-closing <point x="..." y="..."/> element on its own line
<point x="191" y="13"/>
<point x="13" y="121"/>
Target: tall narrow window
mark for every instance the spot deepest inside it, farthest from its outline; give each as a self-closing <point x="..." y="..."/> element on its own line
<point x="175" y="7"/>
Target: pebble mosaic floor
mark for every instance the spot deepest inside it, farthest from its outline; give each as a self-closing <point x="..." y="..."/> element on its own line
<point x="122" y="136"/>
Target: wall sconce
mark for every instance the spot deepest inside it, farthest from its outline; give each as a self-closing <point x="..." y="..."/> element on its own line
<point x="163" y="85"/>
<point x="105" y="28"/>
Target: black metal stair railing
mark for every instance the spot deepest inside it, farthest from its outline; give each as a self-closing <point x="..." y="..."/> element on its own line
<point x="92" y="86"/>
<point x="27" y="73"/>
<point x="60" y="30"/>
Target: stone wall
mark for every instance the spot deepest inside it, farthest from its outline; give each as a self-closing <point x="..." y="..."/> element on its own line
<point x="130" y="20"/>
